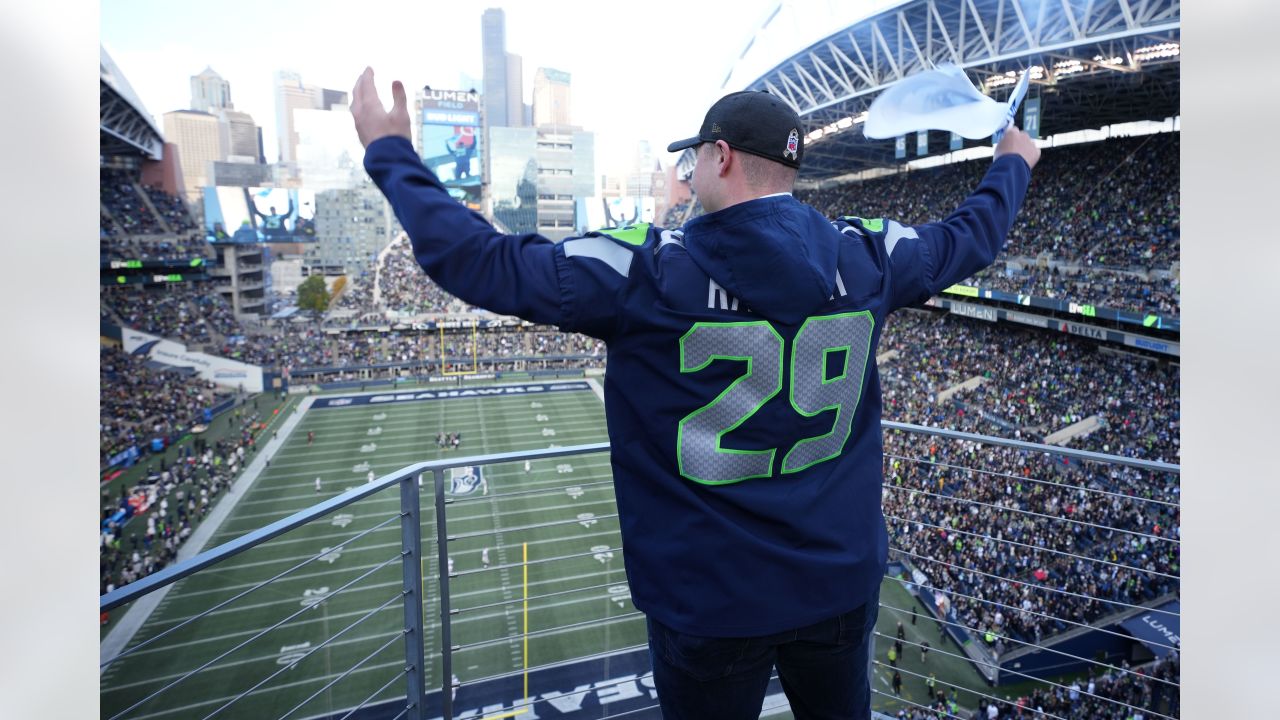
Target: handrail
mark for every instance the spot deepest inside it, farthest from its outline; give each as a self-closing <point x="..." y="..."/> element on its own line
<point x="411" y="481"/>
<point x="174" y="573"/>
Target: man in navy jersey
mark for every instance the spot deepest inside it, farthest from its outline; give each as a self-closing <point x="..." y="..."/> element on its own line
<point x="742" y="398"/>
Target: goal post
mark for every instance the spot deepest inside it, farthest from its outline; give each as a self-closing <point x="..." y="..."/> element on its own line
<point x="455" y="368"/>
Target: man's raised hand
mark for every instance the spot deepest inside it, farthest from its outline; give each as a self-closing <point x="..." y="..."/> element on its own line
<point x="1018" y="142"/>
<point x="372" y="120"/>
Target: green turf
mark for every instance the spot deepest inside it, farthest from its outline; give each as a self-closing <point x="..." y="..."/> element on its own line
<point x="945" y="661"/>
<point x="487" y="623"/>
<point x="486" y="634"/>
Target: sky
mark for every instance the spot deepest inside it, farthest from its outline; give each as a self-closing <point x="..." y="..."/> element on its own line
<point x="644" y="71"/>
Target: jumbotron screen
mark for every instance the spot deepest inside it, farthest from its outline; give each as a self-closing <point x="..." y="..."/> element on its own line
<point x="451" y="140"/>
<point x="254" y="215"/>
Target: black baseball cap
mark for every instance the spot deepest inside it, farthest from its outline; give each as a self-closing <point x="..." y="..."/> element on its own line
<point x="753" y="122"/>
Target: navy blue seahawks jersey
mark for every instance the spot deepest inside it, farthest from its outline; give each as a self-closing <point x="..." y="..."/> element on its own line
<point x="741" y="392"/>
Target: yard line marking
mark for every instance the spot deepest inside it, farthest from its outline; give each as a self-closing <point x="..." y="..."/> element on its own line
<point x="393" y="611"/>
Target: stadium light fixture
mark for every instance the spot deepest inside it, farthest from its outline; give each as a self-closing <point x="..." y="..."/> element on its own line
<point x="1160" y="50"/>
<point x="842" y="124"/>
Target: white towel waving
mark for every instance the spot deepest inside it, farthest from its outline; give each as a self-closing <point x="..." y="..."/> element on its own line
<point x="939" y="99"/>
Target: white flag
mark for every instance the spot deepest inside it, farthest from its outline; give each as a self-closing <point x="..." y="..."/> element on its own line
<point x="939" y="99"/>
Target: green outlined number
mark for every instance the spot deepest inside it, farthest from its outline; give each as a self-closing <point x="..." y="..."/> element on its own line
<point x="700" y="454"/>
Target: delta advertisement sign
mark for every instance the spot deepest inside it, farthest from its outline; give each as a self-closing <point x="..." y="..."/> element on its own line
<point x="219" y="370"/>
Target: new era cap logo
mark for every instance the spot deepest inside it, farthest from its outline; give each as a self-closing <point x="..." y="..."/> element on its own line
<point x="715" y="128"/>
<point x="793" y="145"/>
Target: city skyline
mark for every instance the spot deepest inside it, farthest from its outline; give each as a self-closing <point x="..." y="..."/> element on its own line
<point x="623" y="94"/>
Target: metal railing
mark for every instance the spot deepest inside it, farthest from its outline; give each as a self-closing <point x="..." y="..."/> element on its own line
<point x="920" y="575"/>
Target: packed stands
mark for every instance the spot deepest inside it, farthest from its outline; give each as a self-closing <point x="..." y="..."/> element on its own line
<point x="172" y="208"/>
<point x="972" y="532"/>
<point x="188" y="313"/>
<point x="169" y="502"/>
<point x="127" y="209"/>
<point x="1106" y="213"/>
<point x="137" y="403"/>
<point x="144" y="223"/>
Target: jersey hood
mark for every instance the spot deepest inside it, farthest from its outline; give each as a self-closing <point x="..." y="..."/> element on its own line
<point x="775" y="254"/>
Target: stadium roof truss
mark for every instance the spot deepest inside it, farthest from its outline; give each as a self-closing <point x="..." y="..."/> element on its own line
<point x="123" y="131"/>
<point x="125" y="128"/>
<point x="1093" y="63"/>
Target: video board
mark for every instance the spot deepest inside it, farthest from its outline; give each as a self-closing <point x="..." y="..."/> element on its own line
<point x="451" y="141"/>
<point x="256" y="215"/>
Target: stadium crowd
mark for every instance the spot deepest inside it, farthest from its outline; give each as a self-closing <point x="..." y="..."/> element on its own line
<point x="172" y="208"/>
<point x="170" y="502"/>
<point x="1105" y="206"/>
<point x="121" y="203"/>
<point x="1098" y="287"/>
<point x="973" y="518"/>
<point x="190" y="313"/>
<point x="136" y="403"/>
<point x="1112" y="695"/>
<point x="130" y="230"/>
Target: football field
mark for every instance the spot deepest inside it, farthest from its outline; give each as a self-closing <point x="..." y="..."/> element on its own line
<point x="333" y="616"/>
<point x="561" y="512"/>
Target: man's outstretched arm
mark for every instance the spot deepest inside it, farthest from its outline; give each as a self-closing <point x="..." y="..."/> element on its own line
<point x="926" y="259"/>
<point x="460" y="251"/>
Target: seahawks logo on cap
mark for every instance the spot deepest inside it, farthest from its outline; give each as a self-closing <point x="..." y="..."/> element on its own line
<point x="793" y="145"/>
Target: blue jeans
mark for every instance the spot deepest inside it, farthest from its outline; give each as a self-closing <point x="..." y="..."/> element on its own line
<point x="822" y="667"/>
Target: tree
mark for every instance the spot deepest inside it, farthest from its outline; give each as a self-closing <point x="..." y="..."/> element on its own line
<point x="312" y="294"/>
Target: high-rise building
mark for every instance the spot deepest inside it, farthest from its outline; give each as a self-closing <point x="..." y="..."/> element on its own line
<point x="352" y="226"/>
<point x="515" y="91"/>
<point x="503" y="73"/>
<point x="551" y="97"/>
<point x="199" y="146"/>
<point x="328" y="155"/>
<point x="538" y="175"/>
<point x="209" y="92"/>
<point x="493" y="46"/>
<point x="291" y="95"/>
<point x="239" y="136"/>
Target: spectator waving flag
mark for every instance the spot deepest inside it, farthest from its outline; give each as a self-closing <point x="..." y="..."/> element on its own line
<point x="940" y="99"/>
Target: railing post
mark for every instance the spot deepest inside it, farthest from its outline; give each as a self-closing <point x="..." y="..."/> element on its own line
<point x="411" y="562"/>
<point x="446" y="634"/>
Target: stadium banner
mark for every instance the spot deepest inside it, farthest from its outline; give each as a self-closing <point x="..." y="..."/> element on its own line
<point x="964" y="290"/>
<point x="1124" y="638"/>
<point x="900" y="147"/>
<point x="977" y="312"/>
<point x="1167" y="347"/>
<point x="1025" y="319"/>
<point x="1158" y="629"/>
<point x="127" y="458"/>
<point x="499" y="391"/>
<point x="615" y="684"/>
<point x="452" y="142"/>
<point x="219" y="370"/>
<point x="1090" y="331"/>
<point x="152" y="278"/>
<point x="957" y="142"/>
<point x="1130" y="317"/>
<point x="1031" y="117"/>
<point x="922" y="143"/>
<point x="992" y="314"/>
<point x="177" y="265"/>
